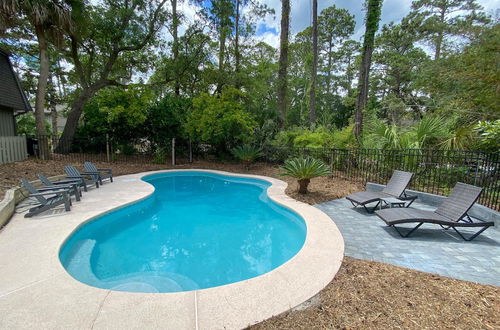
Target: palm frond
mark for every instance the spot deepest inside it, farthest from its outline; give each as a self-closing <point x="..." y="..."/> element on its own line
<point x="304" y="168"/>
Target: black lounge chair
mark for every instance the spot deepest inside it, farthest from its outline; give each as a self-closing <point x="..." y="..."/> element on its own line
<point x="395" y="188"/>
<point x="72" y="185"/>
<point x="84" y="177"/>
<point x="451" y="213"/>
<point x="56" y="197"/>
<point x="102" y="173"/>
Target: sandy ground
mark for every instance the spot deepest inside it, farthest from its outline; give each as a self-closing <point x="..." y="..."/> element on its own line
<point x="364" y="294"/>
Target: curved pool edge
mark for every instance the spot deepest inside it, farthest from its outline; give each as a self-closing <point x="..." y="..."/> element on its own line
<point x="232" y="306"/>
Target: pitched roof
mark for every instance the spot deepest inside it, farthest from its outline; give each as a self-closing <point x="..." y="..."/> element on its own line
<point x="11" y="93"/>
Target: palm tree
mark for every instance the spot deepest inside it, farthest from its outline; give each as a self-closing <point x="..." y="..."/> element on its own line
<point x="283" y="61"/>
<point x="49" y="19"/>
<point x="372" y="21"/>
<point x="304" y="169"/>
<point x="312" y="90"/>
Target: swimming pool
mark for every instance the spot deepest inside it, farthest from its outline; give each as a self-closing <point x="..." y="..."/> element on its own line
<point x="197" y="230"/>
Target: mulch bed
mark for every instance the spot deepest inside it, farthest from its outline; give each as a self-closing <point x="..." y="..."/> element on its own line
<point x="364" y="294"/>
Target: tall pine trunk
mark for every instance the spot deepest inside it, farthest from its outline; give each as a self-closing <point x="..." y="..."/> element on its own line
<point x="439" y="39"/>
<point x="283" y="61"/>
<point x="314" y="71"/>
<point x="175" y="46"/>
<point x="237" y="45"/>
<point x="41" y="92"/>
<point x="222" y="54"/>
<point x="372" y="22"/>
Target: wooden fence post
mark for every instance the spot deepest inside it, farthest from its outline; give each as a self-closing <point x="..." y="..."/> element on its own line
<point x="107" y="148"/>
<point x="173" y="151"/>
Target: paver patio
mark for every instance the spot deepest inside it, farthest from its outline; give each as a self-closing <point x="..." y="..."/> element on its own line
<point x="429" y="249"/>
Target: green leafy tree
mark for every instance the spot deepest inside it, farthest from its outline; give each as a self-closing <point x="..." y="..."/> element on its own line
<point x="165" y="120"/>
<point x="110" y="44"/>
<point x="48" y="19"/>
<point x="465" y="85"/>
<point x="397" y="66"/>
<point x="335" y="26"/>
<point x="221" y="121"/>
<point x="119" y="112"/>
<point x="442" y="19"/>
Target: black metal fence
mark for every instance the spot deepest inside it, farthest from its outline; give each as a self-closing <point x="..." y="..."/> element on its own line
<point x="436" y="171"/>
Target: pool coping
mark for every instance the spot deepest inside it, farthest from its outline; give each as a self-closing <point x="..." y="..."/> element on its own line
<point x="50" y="297"/>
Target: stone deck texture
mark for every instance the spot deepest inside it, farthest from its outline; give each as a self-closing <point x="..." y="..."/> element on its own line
<point x="429" y="249"/>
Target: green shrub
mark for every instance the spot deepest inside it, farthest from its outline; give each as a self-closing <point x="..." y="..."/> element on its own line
<point x="160" y="156"/>
<point x="489" y="135"/>
<point x="127" y="149"/>
<point x="304" y="169"/>
<point x="220" y="121"/>
<point x="321" y="137"/>
<point x="247" y="154"/>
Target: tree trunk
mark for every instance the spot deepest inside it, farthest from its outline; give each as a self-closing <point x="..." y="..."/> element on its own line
<point x="303" y="184"/>
<point x="372" y="21"/>
<point x="222" y="50"/>
<point x="312" y="90"/>
<point x="74" y="114"/>
<point x="439" y="39"/>
<point x="175" y="46"/>
<point x="237" y="45"/>
<point x="329" y="73"/>
<point x="41" y="92"/>
<point x="283" y="62"/>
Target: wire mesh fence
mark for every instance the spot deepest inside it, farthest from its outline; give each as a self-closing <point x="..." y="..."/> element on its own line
<point x="436" y="171"/>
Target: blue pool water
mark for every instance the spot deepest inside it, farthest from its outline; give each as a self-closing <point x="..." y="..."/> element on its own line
<point x="197" y="230"/>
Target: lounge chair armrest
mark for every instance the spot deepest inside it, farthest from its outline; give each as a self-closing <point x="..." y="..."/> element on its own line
<point x="408" y="197"/>
<point x="69" y="181"/>
<point x="109" y="170"/>
<point x="58" y="188"/>
<point x="54" y="192"/>
<point x="89" y="173"/>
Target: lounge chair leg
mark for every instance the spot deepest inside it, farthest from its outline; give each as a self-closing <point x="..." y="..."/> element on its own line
<point x="67" y="202"/>
<point x="470" y="238"/>
<point x="372" y="209"/>
<point x="408" y="233"/>
<point x="111" y="179"/>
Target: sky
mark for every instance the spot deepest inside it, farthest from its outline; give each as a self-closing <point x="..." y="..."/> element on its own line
<point x="268" y="29"/>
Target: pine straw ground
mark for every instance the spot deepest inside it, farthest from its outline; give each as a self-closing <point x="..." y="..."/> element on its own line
<point x="364" y="294"/>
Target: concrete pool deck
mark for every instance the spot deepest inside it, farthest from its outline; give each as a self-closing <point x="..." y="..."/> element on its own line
<point x="37" y="292"/>
<point x="429" y="249"/>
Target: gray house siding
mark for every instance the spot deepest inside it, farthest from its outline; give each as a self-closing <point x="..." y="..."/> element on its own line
<point x="7" y="125"/>
<point x="11" y="94"/>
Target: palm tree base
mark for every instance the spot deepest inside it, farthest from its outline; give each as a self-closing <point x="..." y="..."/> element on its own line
<point x="303" y="184"/>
